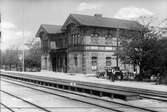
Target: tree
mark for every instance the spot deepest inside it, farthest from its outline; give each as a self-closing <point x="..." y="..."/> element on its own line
<point x="141" y="49"/>
<point x="33" y="56"/>
<point x="10" y="57"/>
<point x="161" y="65"/>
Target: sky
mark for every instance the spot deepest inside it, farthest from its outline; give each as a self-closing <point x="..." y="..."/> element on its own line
<point x="22" y="18"/>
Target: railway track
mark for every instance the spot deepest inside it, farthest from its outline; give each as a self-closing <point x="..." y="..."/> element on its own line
<point x="6" y="107"/>
<point x="28" y="102"/>
<point x="107" y="104"/>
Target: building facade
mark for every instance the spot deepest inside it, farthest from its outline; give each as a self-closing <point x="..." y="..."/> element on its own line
<point x="85" y="44"/>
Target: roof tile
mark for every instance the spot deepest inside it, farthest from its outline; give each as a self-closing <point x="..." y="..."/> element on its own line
<point x="106" y="22"/>
<point x="52" y="29"/>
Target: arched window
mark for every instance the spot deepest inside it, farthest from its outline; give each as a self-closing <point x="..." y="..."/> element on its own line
<point x="94" y="35"/>
<point x="94" y="38"/>
<point x="108" y="38"/>
<point x="78" y="38"/>
<point x="108" y="35"/>
<point x="75" y="38"/>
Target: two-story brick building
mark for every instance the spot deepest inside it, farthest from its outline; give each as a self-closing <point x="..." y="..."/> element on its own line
<point x="84" y="44"/>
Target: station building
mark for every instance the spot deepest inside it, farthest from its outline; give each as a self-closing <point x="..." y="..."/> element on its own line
<point x="85" y="44"/>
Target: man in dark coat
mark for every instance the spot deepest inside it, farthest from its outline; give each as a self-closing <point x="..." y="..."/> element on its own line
<point x="110" y="74"/>
<point x="113" y="75"/>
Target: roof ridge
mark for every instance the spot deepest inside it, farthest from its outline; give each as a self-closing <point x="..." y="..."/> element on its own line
<point x="51" y="24"/>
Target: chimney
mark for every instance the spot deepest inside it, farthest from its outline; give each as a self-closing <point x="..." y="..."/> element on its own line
<point x="98" y="15"/>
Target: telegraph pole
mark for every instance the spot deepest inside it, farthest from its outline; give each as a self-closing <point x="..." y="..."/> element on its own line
<point x="23" y="41"/>
<point x="117" y="37"/>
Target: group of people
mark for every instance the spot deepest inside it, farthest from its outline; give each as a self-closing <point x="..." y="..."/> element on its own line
<point x="111" y="74"/>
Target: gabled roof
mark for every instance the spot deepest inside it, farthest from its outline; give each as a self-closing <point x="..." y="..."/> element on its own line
<point x="97" y="21"/>
<point x="50" y="29"/>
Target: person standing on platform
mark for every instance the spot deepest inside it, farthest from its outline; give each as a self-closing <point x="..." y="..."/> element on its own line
<point x="113" y="75"/>
<point x="107" y="74"/>
<point x="121" y="73"/>
<point x="110" y="74"/>
<point x="158" y="79"/>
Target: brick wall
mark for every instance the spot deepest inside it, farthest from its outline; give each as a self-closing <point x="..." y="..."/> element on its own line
<point x="101" y="55"/>
<point x="101" y="60"/>
<point x="102" y="36"/>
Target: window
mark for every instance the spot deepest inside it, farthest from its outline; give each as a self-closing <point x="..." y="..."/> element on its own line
<point x="76" y="60"/>
<point x="94" y="63"/>
<point x="78" y="38"/>
<point x="108" y="61"/>
<point x="114" y="41"/>
<point x="108" y="38"/>
<point x="75" y="39"/>
<point x="53" y="45"/>
<point x="94" y="35"/>
<point x="94" y="38"/>
<point x="45" y="46"/>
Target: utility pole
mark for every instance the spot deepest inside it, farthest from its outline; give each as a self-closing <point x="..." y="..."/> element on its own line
<point x="117" y="42"/>
<point x="23" y="41"/>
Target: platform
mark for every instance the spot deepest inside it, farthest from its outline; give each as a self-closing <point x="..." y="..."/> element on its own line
<point x="90" y="78"/>
<point x="75" y="85"/>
